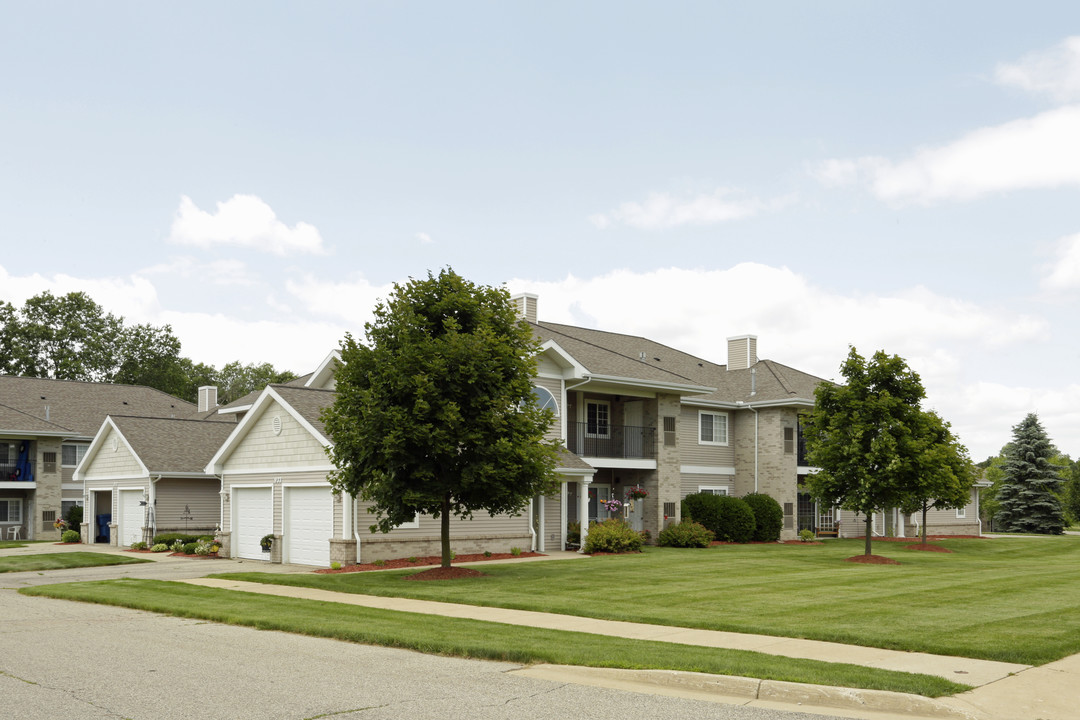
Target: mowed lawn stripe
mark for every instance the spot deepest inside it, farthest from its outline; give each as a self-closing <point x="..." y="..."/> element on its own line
<point x="60" y="561"/>
<point x="476" y="638"/>
<point x="990" y="599"/>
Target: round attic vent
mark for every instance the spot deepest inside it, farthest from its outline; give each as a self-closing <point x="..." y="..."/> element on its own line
<point x="276" y="424"/>
<point x="115" y="443"/>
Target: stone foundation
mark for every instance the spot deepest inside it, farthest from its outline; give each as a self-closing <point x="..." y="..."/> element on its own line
<point x="372" y="549"/>
<point x="343" y="551"/>
<point x="226" y="544"/>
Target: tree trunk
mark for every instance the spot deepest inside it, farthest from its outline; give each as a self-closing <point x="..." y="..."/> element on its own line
<point x="924" y="524"/>
<point x="869" y="532"/>
<point x="446" y="530"/>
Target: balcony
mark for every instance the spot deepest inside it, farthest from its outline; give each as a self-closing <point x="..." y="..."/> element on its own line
<point x="17" y="472"/>
<point x="611" y="441"/>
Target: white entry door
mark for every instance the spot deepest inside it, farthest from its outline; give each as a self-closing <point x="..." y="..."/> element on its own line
<point x="598" y="495"/>
<point x="253" y="513"/>
<point x="309" y="525"/>
<point x="131" y="516"/>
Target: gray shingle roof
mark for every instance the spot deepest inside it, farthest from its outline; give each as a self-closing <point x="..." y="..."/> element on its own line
<point x="81" y="407"/>
<point x="169" y="445"/>
<point x="309" y="402"/>
<point x="566" y="460"/>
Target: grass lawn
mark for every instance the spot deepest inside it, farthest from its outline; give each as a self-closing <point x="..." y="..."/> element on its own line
<point x="5" y="544"/>
<point x="59" y="561"/>
<point x="1014" y="599"/>
<point x="474" y="638"/>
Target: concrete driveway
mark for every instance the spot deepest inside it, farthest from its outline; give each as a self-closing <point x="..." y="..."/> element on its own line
<point x="66" y="659"/>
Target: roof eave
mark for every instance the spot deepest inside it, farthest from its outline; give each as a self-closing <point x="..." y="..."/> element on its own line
<point x="678" y="388"/>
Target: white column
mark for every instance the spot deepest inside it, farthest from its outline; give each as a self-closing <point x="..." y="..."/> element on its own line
<point x="540" y="544"/>
<point x="583" y="509"/>
<point x="564" y="518"/>
<point x="900" y="523"/>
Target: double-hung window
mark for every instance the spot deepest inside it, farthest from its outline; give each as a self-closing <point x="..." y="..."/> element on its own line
<point x="72" y="455"/>
<point x="712" y="428"/>
<point x="597" y="419"/>
<point x="11" y="510"/>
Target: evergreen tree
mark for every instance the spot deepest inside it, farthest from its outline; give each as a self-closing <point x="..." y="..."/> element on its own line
<point x="1028" y="500"/>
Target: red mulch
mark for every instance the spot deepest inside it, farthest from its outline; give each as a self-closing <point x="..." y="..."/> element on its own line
<point x="74" y="543"/>
<point x="441" y="573"/>
<point x="928" y="537"/>
<point x="714" y="543"/>
<point x="872" y="560"/>
<point x="929" y="546"/>
<point x="427" y="560"/>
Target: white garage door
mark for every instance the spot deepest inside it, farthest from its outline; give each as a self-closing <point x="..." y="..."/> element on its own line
<point x="253" y="510"/>
<point x="132" y="516"/>
<point x="309" y="525"/>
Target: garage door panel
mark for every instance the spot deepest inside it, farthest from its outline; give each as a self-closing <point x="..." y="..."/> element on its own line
<point x="132" y="515"/>
<point x="253" y="509"/>
<point x="309" y="525"/>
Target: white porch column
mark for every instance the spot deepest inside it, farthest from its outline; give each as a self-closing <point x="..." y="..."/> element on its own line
<point x="540" y="544"/>
<point x="583" y="509"/>
<point x="900" y="518"/>
<point x="564" y="518"/>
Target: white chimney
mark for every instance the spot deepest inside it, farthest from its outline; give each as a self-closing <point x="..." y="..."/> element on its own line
<point x="526" y="305"/>
<point x="207" y="397"/>
<point x="741" y="352"/>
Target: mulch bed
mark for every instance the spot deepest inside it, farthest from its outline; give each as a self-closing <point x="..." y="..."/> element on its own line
<point x="427" y="560"/>
<point x="714" y="543"/>
<point x="872" y="560"/>
<point x="928" y="538"/>
<point x="928" y="546"/>
<point x="441" y="573"/>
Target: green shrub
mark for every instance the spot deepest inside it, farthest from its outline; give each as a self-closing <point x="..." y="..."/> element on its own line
<point x="730" y="519"/>
<point x="140" y="545"/>
<point x="806" y="535"/>
<point x="515" y="551"/>
<point x="613" y="536"/>
<point x="205" y="538"/>
<point x="335" y="566"/>
<point x="177" y="546"/>
<point x="160" y="547"/>
<point x="70" y="536"/>
<point x="74" y="516"/>
<point x="487" y="553"/>
<point x="702" y="508"/>
<point x="768" y="517"/>
<point x="170" y="538"/>
<point x="573" y="533"/>
<point x="188" y="549"/>
<point x="685" y="534"/>
<point x="379" y="563"/>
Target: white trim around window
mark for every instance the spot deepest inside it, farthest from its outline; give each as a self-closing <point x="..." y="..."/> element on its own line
<point x="714" y="489"/>
<point x="412" y="524"/>
<point x="11" y="510"/>
<point x="71" y="454"/>
<point x="961" y="513"/>
<point x="712" y="428"/>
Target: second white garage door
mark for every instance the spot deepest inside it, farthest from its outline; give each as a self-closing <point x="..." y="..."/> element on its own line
<point x="309" y="525"/>
<point x="131" y="516"/>
<point x="254" y="517"/>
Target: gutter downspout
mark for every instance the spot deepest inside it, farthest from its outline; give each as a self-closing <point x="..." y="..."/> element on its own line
<point x="532" y="528"/>
<point x="151" y="510"/>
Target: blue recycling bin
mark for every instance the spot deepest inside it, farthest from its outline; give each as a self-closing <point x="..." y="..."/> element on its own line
<point x="103" y="527"/>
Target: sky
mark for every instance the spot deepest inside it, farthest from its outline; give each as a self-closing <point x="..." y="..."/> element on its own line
<point x="257" y="175"/>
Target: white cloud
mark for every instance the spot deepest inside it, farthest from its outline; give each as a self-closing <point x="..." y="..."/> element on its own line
<point x="1030" y="153"/>
<point x="218" y="272"/>
<point x="245" y="221"/>
<point x="351" y="301"/>
<point x="1064" y="273"/>
<point x="1054" y="72"/>
<point x="133" y="297"/>
<point x="424" y="238"/>
<point x="663" y="210"/>
<point x="802" y="325"/>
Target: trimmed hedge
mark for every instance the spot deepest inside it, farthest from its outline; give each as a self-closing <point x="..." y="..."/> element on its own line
<point x="729" y="518"/>
<point x="70" y="536"/>
<point x="170" y="538"/>
<point x="612" y="536"/>
<point x="768" y="517"/>
<point x="685" y="535"/>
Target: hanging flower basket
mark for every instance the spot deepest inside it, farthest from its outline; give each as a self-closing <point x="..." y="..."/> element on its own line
<point x="612" y="505"/>
<point x="636" y="493"/>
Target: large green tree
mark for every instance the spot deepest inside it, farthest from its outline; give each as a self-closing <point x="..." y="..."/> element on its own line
<point x="869" y="436"/>
<point x="67" y="337"/>
<point x="435" y="413"/>
<point x="942" y="472"/>
<point x="1028" y="497"/>
<point x="236" y="380"/>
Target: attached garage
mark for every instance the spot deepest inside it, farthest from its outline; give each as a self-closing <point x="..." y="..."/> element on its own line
<point x="253" y="517"/>
<point x="132" y="516"/>
<point x="308" y="525"/>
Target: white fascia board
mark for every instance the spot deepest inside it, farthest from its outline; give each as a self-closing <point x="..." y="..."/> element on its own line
<point x="575" y="471"/>
<point x="721" y="404"/>
<point x="29" y="434"/>
<point x="282" y="470"/>
<point x="231" y="410"/>
<point x="325" y="368"/>
<point x="166" y="475"/>
<point x="801" y="402"/>
<point x="678" y="388"/>
<point x="567" y="360"/>
<point x="621" y="463"/>
<point x="96" y="445"/>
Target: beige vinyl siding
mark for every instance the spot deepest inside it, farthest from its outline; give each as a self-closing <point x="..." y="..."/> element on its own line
<point x="691" y="452"/>
<point x="67" y="474"/>
<point x="261" y="448"/>
<point x="546" y="366"/>
<point x="552" y="521"/>
<point x="481" y="523"/>
<point x="692" y="483"/>
<point x="109" y="463"/>
<point x="554" y="386"/>
<point x="199" y="497"/>
<point x="71" y="494"/>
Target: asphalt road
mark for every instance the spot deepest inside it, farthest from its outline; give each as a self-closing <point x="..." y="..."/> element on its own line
<point x="74" y="660"/>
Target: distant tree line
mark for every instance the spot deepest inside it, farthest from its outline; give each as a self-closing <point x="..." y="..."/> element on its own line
<point x="70" y="337"/>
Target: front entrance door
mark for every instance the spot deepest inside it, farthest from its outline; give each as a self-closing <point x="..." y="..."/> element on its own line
<point x="598" y="495"/>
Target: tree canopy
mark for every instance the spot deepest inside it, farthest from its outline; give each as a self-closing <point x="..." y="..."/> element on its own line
<point x="877" y="449"/>
<point x="1028" y="496"/>
<point x="435" y="413"/>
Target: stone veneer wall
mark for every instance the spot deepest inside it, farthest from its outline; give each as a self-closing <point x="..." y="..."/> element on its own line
<point x="387" y="548"/>
<point x="668" y="469"/>
<point x="777" y="471"/>
<point x="47" y="495"/>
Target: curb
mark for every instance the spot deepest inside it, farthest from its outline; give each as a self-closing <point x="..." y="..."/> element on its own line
<point x="731" y="689"/>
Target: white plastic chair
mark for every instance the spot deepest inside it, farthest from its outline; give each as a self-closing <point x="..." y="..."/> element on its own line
<point x="14" y="531"/>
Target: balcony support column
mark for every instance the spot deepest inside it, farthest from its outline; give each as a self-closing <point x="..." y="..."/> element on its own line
<point x="583" y="509"/>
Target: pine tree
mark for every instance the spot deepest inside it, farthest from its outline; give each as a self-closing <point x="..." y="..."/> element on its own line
<point x="1027" y="499"/>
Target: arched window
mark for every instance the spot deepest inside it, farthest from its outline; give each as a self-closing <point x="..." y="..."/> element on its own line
<point x="545" y="400"/>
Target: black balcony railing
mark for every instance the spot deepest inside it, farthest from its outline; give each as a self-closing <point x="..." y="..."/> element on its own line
<point x="11" y="472"/>
<point x="610" y="441"/>
<point x="802" y="458"/>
